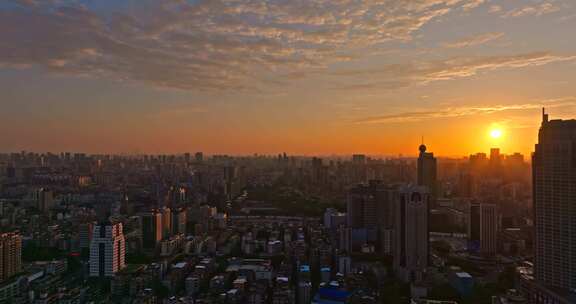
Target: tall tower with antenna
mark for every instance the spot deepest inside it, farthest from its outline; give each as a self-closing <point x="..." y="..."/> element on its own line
<point x="427" y="175"/>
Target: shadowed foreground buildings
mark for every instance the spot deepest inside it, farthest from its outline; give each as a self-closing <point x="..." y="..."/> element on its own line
<point x="411" y="233"/>
<point x="370" y="216"/>
<point x="554" y="174"/>
<point x="483" y="228"/>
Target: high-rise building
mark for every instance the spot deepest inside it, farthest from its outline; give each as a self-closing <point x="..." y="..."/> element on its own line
<point x="369" y="205"/>
<point x="496" y="160"/>
<point x="199" y="157"/>
<point x="107" y="250"/>
<point x="304" y="292"/>
<point x="495" y="157"/>
<point x="10" y="255"/>
<point x="44" y="199"/>
<point x="85" y="231"/>
<point x="369" y="211"/>
<point x="125" y="205"/>
<point x="359" y="159"/>
<point x="166" y="222"/>
<point x="151" y="227"/>
<point x="361" y="208"/>
<point x="554" y="187"/>
<point x="427" y="174"/>
<point x="478" y="163"/>
<point x="179" y="221"/>
<point x="484" y="224"/>
<point x="334" y="219"/>
<point x="411" y="233"/>
<point x="175" y="197"/>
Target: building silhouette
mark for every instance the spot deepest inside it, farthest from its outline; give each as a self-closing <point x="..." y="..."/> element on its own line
<point x="151" y="229"/>
<point x="85" y="231"/>
<point x="369" y="214"/>
<point x="411" y="233"/>
<point x="483" y="228"/>
<point x="427" y="174"/>
<point x="554" y="178"/>
<point x="44" y="199"/>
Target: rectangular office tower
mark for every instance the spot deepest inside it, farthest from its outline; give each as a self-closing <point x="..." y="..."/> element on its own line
<point x="554" y="174"/>
<point x="151" y="229"/>
<point x="107" y="250"/>
<point x="369" y="213"/>
<point x="427" y="173"/>
<point x="411" y="233"/>
<point x="483" y="228"/>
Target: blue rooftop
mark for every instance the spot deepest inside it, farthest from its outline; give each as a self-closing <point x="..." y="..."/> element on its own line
<point x="333" y="294"/>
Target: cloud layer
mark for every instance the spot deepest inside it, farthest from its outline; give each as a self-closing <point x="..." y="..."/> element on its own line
<point x="533" y="10"/>
<point x="240" y="45"/>
<point x="474" y="40"/>
<point x="207" y="44"/>
<point x="402" y="75"/>
<point x="452" y="112"/>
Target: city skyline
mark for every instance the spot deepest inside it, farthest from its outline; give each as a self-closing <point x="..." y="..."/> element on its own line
<point x="244" y="77"/>
<point x="332" y="156"/>
<point x="287" y="151"/>
<point x="192" y="228"/>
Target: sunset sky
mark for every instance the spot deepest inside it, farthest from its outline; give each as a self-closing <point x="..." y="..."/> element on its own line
<point x="268" y="76"/>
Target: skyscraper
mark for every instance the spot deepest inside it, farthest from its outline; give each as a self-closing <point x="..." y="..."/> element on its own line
<point x="483" y="228"/>
<point x="427" y="171"/>
<point x="151" y="227"/>
<point x="495" y="157"/>
<point x="85" y="231"/>
<point x="554" y="178"/>
<point x="44" y="199"/>
<point x="179" y="221"/>
<point x="166" y="222"/>
<point x="369" y="212"/>
<point x="107" y="250"/>
<point x="10" y="255"/>
<point x="411" y="233"/>
<point x="361" y="207"/>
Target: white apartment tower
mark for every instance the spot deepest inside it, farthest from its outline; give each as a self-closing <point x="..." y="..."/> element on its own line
<point x="107" y="250"/>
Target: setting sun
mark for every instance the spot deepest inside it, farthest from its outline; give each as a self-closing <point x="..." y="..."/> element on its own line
<point x="496" y="133"/>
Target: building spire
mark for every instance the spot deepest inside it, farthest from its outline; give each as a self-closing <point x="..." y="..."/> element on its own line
<point x="544" y="115"/>
<point x="422" y="147"/>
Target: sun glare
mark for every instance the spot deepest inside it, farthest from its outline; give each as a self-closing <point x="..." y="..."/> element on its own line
<point x="496" y="133"/>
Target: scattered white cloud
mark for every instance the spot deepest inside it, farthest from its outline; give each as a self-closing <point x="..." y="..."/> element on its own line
<point x="474" y="40"/>
<point x="452" y="112"/>
<point x="473" y="4"/>
<point x="495" y="9"/>
<point x="403" y="75"/>
<point x="533" y="10"/>
<point x="567" y="18"/>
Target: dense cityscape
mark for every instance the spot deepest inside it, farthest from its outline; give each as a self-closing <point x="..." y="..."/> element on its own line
<point x="287" y="152"/>
<point x="192" y="228"/>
